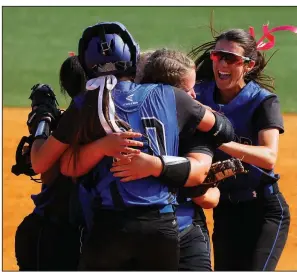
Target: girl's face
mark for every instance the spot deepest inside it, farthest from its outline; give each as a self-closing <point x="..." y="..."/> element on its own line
<point x="230" y="65"/>
<point x="189" y="82"/>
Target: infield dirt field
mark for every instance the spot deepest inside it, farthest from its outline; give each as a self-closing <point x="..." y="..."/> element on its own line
<point x="17" y="190"/>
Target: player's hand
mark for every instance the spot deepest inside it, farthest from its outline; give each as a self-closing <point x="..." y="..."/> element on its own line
<point x="137" y="167"/>
<point x="115" y="144"/>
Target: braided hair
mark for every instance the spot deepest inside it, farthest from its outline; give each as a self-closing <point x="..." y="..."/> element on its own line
<point x="167" y="66"/>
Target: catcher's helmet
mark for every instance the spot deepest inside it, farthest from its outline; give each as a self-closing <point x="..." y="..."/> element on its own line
<point x="108" y="48"/>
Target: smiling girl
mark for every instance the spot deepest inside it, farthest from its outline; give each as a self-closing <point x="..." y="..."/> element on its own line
<point x="251" y="222"/>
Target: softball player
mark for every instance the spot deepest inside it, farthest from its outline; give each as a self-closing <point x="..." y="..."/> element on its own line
<point x="251" y="222"/>
<point x="106" y="236"/>
<point x="50" y="237"/>
<point x="47" y="239"/>
<point x="159" y="67"/>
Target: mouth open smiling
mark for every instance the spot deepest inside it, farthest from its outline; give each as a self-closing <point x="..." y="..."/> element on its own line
<point x="224" y="75"/>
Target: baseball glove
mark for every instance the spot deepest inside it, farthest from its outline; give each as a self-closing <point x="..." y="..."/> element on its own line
<point x="218" y="172"/>
<point x="44" y="107"/>
<point x="223" y="169"/>
<point x="23" y="160"/>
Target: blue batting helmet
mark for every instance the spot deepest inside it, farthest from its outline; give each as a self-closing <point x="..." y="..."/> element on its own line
<point x="108" y="48"/>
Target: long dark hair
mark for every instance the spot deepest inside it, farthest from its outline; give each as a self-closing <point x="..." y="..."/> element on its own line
<point x="73" y="82"/>
<point x="72" y="77"/>
<point x="201" y="56"/>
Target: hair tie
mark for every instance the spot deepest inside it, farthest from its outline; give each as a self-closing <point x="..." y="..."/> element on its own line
<point x="261" y="45"/>
<point x="71" y="54"/>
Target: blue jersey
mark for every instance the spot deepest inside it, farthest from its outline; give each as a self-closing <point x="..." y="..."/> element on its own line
<point x="185" y="213"/>
<point x="240" y="112"/>
<point x="151" y="110"/>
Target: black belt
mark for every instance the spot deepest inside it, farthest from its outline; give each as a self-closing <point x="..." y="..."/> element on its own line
<point x="261" y="192"/>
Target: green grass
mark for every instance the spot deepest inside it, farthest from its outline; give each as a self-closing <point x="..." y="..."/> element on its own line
<point x="36" y="40"/>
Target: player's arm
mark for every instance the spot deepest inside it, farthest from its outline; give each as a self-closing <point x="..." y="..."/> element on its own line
<point x="42" y="120"/>
<point x="209" y="200"/>
<point x="37" y="157"/>
<point x="264" y="155"/>
<point x="193" y="116"/>
<point x="112" y="145"/>
<point x="205" y="197"/>
<point x="174" y="171"/>
<point x="47" y="149"/>
<point x="24" y="166"/>
<point x="52" y="173"/>
<point x="45" y="153"/>
<point x="268" y="123"/>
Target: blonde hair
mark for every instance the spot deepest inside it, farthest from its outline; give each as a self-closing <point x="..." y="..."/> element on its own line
<point x="167" y="66"/>
<point x="141" y="64"/>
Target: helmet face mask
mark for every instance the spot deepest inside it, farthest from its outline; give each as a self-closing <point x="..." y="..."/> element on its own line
<point x="108" y="48"/>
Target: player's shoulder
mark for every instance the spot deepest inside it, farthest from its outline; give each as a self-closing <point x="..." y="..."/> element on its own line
<point x="159" y="90"/>
<point x="258" y="89"/>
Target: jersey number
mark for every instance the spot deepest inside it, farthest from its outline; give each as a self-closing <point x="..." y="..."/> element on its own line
<point x="155" y="131"/>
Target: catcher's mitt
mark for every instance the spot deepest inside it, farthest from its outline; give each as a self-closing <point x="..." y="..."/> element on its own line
<point x="218" y="172"/>
<point x="23" y="160"/>
<point x="44" y="107"/>
<point x="223" y="169"/>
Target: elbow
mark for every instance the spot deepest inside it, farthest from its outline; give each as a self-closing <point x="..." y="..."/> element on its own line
<point x="66" y="170"/>
<point x="269" y="166"/>
<point x="67" y="166"/>
<point x="39" y="168"/>
<point x="270" y="162"/>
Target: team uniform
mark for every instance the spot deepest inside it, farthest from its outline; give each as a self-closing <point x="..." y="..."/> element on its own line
<point x="193" y="232"/>
<point x="139" y="214"/>
<point x="252" y="219"/>
<point x="194" y="237"/>
<point x="49" y="237"/>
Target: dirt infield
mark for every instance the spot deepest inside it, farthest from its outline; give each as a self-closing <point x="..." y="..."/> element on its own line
<point x="17" y="190"/>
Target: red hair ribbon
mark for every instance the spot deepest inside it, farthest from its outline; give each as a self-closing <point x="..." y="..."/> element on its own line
<point x="71" y="54"/>
<point x="267" y="35"/>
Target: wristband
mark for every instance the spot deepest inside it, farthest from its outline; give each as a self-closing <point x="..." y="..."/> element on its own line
<point x="176" y="170"/>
